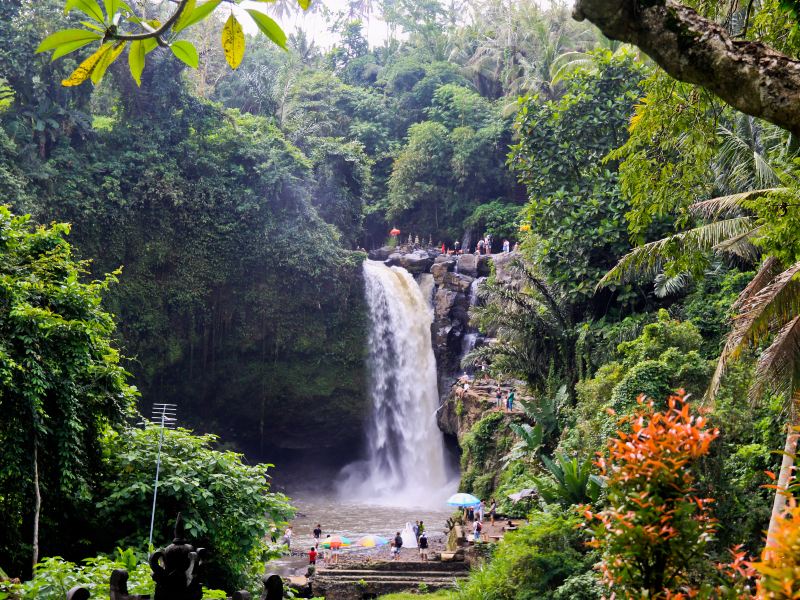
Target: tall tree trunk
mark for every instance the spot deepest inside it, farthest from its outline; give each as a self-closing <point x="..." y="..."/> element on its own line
<point x="783" y="480"/>
<point x="37" y="502"/>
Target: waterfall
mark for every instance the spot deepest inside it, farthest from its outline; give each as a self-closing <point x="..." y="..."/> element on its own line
<point x="470" y="339"/>
<point x="405" y="462"/>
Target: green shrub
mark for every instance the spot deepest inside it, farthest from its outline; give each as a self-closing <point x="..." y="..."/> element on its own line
<point x="532" y="562"/>
<point x="226" y="505"/>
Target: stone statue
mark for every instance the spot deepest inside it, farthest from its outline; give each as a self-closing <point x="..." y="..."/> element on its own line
<point x="273" y="587"/>
<point x="78" y="593"/>
<point x="176" y="570"/>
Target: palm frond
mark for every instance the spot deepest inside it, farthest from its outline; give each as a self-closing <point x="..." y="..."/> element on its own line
<point x="778" y="365"/>
<point x="649" y="260"/>
<point x="729" y="206"/>
<point x="769" y="269"/>
<point x="664" y="286"/>
<point x="741" y="245"/>
<point x="761" y="313"/>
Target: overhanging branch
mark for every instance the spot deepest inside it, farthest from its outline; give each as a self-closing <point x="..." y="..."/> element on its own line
<point x="749" y="76"/>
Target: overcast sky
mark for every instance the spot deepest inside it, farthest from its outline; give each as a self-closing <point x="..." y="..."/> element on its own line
<point x="315" y="26"/>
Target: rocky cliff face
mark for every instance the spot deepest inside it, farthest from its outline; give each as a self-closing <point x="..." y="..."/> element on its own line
<point x="453" y="293"/>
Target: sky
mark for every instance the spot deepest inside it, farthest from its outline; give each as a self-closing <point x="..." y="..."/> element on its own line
<point x="314" y="24"/>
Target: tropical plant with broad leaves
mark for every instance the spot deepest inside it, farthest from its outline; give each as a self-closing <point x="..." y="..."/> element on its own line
<point x="116" y="26"/>
<point x="530" y="440"/>
<point x="569" y="481"/>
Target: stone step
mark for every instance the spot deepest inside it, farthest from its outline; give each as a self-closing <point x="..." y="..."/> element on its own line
<point x="398" y="577"/>
<point x="371" y="572"/>
<point x="357" y="591"/>
<point x="399" y="565"/>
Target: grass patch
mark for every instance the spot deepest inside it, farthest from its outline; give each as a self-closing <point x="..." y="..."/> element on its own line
<point x="440" y="595"/>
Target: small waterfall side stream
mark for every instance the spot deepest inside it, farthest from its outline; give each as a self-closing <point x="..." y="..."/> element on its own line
<point x="405" y="463"/>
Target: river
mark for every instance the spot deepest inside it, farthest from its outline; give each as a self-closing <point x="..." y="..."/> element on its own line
<point x="352" y="520"/>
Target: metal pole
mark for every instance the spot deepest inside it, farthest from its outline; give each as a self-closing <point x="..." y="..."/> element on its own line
<point x="155" y="488"/>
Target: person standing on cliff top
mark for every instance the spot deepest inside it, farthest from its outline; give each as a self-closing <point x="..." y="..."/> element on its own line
<point x="506" y="247"/>
<point x="498" y="396"/>
<point x="510" y="401"/>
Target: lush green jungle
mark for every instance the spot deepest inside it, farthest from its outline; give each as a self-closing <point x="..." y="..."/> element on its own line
<point x="196" y="237"/>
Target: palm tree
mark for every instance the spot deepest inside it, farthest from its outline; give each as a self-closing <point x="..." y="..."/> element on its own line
<point x="769" y="307"/>
<point x="532" y="326"/>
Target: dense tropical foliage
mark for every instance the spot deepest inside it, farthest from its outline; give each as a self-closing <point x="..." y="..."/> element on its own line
<point x="658" y="250"/>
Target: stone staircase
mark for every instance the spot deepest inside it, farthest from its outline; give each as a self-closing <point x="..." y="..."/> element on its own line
<point x="371" y="580"/>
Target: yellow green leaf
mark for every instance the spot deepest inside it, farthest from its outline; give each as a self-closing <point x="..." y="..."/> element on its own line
<point x="84" y="70"/>
<point x="185" y="14"/>
<point x="67" y="36"/>
<point x="233" y="41"/>
<point x="136" y="60"/>
<point x="88" y="7"/>
<point x="304" y="4"/>
<point x="65" y="49"/>
<point x="269" y="27"/>
<point x="186" y="52"/>
<point x="198" y="14"/>
<point x="105" y="61"/>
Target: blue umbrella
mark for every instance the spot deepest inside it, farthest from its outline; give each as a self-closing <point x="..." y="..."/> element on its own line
<point x="462" y="499"/>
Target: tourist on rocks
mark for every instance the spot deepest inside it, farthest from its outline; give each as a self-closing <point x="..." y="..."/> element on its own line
<point x="457" y="247"/>
<point x="326" y="552"/>
<point x="516" y="246"/>
<point x="312" y="556"/>
<point x="317" y="535"/>
<point x="498" y="396"/>
<point x="423" y="547"/>
<point x="397" y="545"/>
<point x="493" y="510"/>
<point x="510" y="401"/>
<point x="421" y="528"/>
<point x="415" y="529"/>
<point x="481" y="511"/>
<point x="273" y="534"/>
<point x="476" y="531"/>
<point x="506" y="247"/>
<point x="479" y="247"/>
<point x="287" y="538"/>
<point x="471" y="513"/>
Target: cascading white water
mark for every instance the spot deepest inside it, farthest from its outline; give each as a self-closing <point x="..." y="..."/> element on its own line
<point x="405" y="464"/>
<point x="470" y="338"/>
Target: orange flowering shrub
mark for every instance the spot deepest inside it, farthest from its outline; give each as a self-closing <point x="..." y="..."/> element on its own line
<point x="780" y="567"/>
<point x="654" y="531"/>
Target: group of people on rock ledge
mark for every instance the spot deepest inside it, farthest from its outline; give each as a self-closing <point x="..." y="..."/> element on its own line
<point x="483" y="247"/>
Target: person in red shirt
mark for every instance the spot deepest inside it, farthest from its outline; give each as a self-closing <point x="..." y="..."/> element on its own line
<point x="312" y="556"/>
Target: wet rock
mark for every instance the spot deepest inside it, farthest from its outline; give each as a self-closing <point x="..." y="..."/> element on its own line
<point x="468" y="264"/>
<point x="485" y="265"/>
<point x="502" y="264"/>
<point x="457" y="282"/>
<point x="381" y="253"/>
<point x="441" y="268"/>
<point x="393" y="260"/>
<point x="418" y="261"/>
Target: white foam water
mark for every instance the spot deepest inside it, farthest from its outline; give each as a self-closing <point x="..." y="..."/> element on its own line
<point x="405" y="463"/>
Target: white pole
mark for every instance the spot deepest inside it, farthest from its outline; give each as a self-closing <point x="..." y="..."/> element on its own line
<point x="155" y="488"/>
